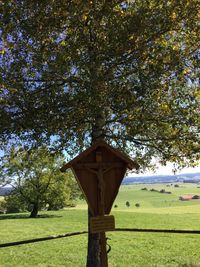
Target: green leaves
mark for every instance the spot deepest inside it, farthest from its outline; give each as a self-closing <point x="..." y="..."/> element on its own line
<point x="136" y="62"/>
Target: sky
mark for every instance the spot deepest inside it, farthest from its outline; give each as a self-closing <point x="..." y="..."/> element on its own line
<point x="161" y="170"/>
<point x="167" y="170"/>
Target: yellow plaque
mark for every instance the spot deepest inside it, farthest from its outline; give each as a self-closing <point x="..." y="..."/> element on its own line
<point x="100" y="224"/>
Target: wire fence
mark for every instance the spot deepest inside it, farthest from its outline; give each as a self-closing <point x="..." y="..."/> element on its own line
<point x="22" y="242"/>
<point x="28" y="241"/>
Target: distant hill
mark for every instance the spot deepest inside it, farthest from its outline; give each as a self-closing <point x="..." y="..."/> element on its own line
<point x="154" y="179"/>
<point x="5" y="190"/>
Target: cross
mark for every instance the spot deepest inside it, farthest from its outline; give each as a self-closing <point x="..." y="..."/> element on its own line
<point x="102" y="168"/>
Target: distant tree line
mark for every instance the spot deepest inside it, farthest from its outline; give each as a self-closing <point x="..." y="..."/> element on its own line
<point x="162" y="191"/>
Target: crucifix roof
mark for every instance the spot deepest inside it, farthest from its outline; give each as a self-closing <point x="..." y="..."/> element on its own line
<point x="131" y="164"/>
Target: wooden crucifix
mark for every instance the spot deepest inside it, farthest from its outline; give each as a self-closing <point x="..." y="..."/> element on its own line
<point x="99" y="171"/>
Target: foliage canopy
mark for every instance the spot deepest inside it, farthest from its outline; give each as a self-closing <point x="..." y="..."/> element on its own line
<point x="128" y="68"/>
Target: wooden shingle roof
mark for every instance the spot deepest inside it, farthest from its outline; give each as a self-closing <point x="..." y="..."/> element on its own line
<point x="131" y="164"/>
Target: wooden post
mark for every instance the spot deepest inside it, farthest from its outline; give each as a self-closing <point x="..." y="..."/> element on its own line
<point x="101" y="185"/>
<point x="104" y="257"/>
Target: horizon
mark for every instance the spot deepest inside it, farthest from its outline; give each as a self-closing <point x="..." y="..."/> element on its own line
<point x="166" y="170"/>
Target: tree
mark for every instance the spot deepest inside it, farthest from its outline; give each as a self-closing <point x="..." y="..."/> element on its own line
<point x="62" y="193"/>
<point x="14" y="203"/>
<point x="36" y="180"/>
<point x="124" y="71"/>
<point x="127" y="204"/>
<point x="2" y="206"/>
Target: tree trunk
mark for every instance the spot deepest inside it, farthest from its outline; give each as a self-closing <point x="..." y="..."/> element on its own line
<point x="34" y="211"/>
<point x="93" y="256"/>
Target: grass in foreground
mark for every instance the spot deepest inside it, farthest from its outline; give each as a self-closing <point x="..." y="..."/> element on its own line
<point x="128" y="249"/>
<point x="135" y="250"/>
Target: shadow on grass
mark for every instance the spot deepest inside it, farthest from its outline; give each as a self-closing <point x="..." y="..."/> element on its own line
<point x="26" y="216"/>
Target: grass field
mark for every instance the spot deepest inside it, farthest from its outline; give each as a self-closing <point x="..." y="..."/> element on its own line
<point x="159" y="211"/>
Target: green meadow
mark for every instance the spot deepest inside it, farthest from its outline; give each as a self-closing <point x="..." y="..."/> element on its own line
<point x="129" y="249"/>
